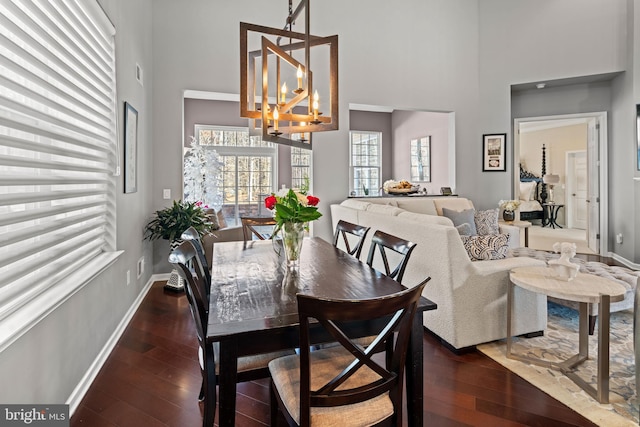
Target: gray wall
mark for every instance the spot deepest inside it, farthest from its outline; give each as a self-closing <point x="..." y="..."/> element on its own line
<point x="408" y="125"/>
<point x="378" y="122"/>
<point x="50" y="359"/>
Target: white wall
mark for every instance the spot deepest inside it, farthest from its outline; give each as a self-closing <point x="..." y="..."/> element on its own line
<point x="46" y="364"/>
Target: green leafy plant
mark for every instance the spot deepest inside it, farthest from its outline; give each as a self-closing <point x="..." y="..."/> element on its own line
<point x="169" y="223"/>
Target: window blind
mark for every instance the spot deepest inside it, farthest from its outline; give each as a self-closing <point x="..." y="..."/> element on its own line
<point x="58" y="143"/>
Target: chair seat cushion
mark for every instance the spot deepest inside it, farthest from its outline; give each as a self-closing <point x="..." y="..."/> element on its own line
<point x="246" y="363"/>
<point x="325" y="365"/>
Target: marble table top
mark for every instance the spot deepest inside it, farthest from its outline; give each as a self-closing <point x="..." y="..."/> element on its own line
<point x="584" y="288"/>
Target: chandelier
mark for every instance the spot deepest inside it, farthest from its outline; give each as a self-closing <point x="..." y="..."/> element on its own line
<point x="278" y="93"/>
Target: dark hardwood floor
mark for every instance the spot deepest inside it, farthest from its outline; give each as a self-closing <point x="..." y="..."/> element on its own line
<point x="152" y="378"/>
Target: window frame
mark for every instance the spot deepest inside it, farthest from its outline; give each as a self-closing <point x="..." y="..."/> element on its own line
<point x="356" y="189"/>
<point x="50" y="124"/>
<point x="224" y="150"/>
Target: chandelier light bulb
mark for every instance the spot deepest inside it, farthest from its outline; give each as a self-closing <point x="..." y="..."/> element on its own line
<point x="283" y="93"/>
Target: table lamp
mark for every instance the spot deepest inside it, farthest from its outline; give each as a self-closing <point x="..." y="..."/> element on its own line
<point x="550" y="180"/>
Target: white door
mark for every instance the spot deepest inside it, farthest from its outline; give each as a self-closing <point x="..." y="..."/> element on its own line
<point x="593" y="185"/>
<point x="577" y="190"/>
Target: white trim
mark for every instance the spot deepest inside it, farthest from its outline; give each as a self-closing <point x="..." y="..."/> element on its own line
<point x="602" y="118"/>
<point x="624" y="261"/>
<point x="81" y="389"/>
<point x="30" y="314"/>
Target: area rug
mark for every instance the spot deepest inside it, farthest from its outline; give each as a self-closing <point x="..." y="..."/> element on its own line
<point x="561" y="340"/>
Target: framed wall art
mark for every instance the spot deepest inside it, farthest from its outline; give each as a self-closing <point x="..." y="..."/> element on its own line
<point x="130" y="149"/>
<point x="494" y="147"/>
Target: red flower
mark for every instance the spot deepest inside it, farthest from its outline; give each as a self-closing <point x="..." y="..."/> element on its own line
<point x="270" y="201"/>
<point x="312" y="200"/>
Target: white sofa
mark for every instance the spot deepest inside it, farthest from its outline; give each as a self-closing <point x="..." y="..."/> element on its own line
<point x="471" y="296"/>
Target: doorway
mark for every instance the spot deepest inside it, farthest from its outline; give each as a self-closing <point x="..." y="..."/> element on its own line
<point x="575" y="148"/>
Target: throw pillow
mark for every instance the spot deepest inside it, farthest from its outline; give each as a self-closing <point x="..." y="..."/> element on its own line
<point x="527" y="190"/>
<point x="487" y="222"/>
<point x="459" y="218"/>
<point x="464" y="229"/>
<point x="484" y="248"/>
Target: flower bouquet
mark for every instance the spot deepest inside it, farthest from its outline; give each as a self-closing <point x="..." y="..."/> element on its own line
<point x="509" y="205"/>
<point x="293" y="211"/>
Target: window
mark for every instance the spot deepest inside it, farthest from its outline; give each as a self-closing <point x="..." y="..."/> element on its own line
<point x="365" y="162"/>
<point x="57" y="153"/>
<point x="300" y="168"/>
<point x="247" y="173"/>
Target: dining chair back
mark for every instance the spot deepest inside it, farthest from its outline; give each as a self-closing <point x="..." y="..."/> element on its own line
<point x="250" y="227"/>
<point x="186" y="261"/>
<point x="389" y="246"/>
<point x="192" y="235"/>
<point x="353" y="236"/>
<point x="345" y="384"/>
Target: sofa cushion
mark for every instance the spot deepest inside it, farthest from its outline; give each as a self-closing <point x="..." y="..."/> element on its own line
<point x="384" y="209"/>
<point x="355" y="204"/>
<point x="487" y="247"/>
<point x="421" y="205"/>
<point x="487" y="221"/>
<point x="453" y="203"/>
<point x="425" y="219"/>
<point x="459" y="218"/>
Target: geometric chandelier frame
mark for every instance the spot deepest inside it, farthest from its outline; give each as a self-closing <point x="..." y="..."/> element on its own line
<point x="291" y="118"/>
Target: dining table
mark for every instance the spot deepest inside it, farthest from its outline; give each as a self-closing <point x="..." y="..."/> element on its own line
<point x="253" y="308"/>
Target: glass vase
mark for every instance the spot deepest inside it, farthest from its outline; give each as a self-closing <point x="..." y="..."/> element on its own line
<point x="508" y="215"/>
<point x="292" y="236"/>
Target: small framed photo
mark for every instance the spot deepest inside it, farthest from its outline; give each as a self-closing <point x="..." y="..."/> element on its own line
<point x="130" y="149"/>
<point x="494" y="156"/>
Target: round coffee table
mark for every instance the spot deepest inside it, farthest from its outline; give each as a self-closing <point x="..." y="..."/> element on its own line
<point x="584" y="289"/>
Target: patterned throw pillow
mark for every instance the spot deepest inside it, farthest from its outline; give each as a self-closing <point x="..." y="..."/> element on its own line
<point x="483" y="248"/>
<point x="459" y="218"/>
<point x="487" y="222"/>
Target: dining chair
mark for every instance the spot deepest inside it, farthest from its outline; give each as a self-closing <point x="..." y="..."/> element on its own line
<point x="192" y="235"/>
<point x="346" y="229"/>
<point x="185" y="259"/>
<point x="386" y="245"/>
<point x="249" y="225"/>
<point x="345" y="385"/>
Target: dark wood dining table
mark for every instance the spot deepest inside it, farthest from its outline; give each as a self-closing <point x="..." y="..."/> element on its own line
<point x="253" y="308"/>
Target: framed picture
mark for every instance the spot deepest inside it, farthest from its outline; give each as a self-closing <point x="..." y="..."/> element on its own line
<point x="130" y="149"/>
<point x="494" y="149"/>
<point x="445" y="191"/>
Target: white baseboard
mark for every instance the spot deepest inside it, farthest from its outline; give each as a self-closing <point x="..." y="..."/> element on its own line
<point x="83" y="386"/>
<point x="624" y="261"/>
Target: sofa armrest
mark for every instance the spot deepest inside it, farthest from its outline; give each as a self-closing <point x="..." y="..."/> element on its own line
<point x="514" y="234"/>
<point x="229" y="234"/>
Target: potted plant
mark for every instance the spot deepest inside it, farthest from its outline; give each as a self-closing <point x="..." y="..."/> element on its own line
<point x="169" y="224"/>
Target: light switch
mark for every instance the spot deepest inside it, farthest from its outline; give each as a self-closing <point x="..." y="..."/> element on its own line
<point x="166" y="193"/>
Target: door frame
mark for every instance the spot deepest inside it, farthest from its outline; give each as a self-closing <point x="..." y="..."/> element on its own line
<point x="602" y="162"/>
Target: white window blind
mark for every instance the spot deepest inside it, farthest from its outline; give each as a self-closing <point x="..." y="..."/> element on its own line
<point x="58" y="144"/>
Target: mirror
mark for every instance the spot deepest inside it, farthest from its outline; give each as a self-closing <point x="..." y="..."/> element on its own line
<point x="421" y="159"/>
